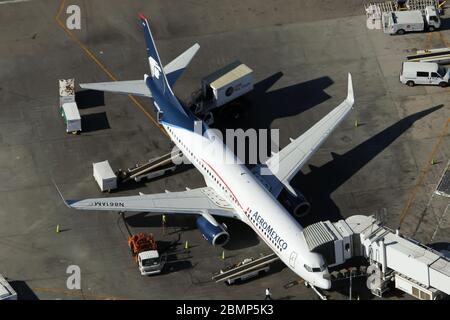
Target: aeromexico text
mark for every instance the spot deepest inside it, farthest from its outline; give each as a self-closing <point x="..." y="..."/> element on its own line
<point x="267" y="228"/>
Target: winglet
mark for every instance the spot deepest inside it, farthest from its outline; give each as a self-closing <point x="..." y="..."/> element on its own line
<point x="350" y="94"/>
<point x="67" y="203"/>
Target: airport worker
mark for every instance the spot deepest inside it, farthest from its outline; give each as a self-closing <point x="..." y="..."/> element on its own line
<point x="268" y="295"/>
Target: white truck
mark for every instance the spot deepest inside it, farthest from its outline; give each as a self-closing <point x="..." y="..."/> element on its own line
<point x="68" y="106"/>
<point x="400" y="22"/>
<point x="220" y="88"/>
<point x="72" y="118"/>
<point x="145" y="252"/>
<point x="427" y="73"/>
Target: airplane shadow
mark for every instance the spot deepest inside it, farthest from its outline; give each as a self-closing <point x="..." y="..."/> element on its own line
<point x="24" y="292"/>
<point x="264" y="107"/>
<point x="321" y="182"/>
<point x="241" y="235"/>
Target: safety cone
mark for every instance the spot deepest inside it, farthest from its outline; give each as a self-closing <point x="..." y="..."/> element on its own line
<point x="223" y="254"/>
<point x="186" y="245"/>
<point x="57" y="228"/>
<point x="356" y="123"/>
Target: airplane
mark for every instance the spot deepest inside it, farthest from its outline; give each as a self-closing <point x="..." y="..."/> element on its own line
<point x="262" y="201"/>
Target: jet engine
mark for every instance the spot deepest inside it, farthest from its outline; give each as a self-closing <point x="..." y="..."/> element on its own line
<point x="213" y="232"/>
<point x="295" y="203"/>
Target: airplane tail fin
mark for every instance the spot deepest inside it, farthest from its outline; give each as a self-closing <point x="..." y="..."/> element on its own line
<point x="157" y="74"/>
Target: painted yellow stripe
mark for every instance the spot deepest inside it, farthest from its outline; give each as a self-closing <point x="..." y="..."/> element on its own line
<point x="424" y="173"/>
<point x="76" y="293"/>
<point x="101" y="65"/>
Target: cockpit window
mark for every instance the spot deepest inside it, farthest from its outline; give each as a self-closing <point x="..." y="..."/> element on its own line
<point x="315" y="269"/>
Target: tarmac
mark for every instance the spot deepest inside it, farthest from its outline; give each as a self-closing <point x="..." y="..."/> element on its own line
<point x="386" y="158"/>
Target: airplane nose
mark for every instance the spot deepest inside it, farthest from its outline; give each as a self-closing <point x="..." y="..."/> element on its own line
<point x="323" y="281"/>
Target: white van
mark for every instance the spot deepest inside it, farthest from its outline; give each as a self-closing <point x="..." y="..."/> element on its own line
<point x="430" y="73"/>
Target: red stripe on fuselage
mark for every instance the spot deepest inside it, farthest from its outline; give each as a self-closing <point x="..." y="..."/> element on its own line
<point x="218" y="175"/>
<point x="267" y="241"/>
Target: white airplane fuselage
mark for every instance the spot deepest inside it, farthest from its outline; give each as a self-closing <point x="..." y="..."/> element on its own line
<point x="254" y="204"/>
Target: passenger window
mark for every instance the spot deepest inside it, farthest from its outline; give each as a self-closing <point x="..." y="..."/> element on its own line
<point x="434" y="75"/>
<point x="422" y="74"/>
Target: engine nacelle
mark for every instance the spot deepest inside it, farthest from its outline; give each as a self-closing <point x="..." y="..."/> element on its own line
<point x="295" y="203"/>
<point x="212" y="231"/>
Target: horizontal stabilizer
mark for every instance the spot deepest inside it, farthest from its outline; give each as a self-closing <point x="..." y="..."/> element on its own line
<point x="133" y="87"/>
<point x="175" y="68"/>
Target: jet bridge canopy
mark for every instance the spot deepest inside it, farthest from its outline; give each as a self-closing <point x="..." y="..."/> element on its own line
<point x="365" y="236"/>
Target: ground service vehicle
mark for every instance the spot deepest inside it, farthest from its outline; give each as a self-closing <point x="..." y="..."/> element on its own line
<point x="428" y="73"/>
<point x="399" y="22"/>
<point x="145" y="252"/>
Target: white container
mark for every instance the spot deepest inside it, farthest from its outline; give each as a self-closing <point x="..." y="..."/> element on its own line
<point x="228" y="83"/>
<point x="403" y="21"/>
<point x="66" y="91"/>
<point x="71" y="117"/>
<point x="104" y="175"/>
<point x="6" y="291"/>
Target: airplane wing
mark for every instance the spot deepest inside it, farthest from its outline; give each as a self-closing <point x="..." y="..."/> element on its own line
<point x="173" y="71"/>
<point x="134" y="87"/>
<point x="195" y="201"/>
<point x="287" y="162"/>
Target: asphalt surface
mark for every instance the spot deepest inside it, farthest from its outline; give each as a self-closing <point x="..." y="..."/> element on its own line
<point x="300" y="51"/>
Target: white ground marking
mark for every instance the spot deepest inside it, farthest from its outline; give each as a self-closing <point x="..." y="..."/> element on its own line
<point x="13" y="1"/>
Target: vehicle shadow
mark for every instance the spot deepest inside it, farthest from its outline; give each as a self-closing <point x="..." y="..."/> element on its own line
<point x="89" y="99"/>
<point x="94" y="122"/>
<point x="321" y="182"/>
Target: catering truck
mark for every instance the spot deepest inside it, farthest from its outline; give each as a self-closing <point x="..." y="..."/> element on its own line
<point x="400" y="22"/>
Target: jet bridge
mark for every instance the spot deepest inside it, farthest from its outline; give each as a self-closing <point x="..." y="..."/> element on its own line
<point x="414" y="268"/>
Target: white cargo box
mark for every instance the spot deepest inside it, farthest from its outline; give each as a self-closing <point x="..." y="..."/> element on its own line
<point x="71" y="116"/>
<point x="104" y="175"/>
<point x="6" y="291"/>
<point x="229" y="83"/>
<point x="403" y="20"/>
<point x="66" y="91"/>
